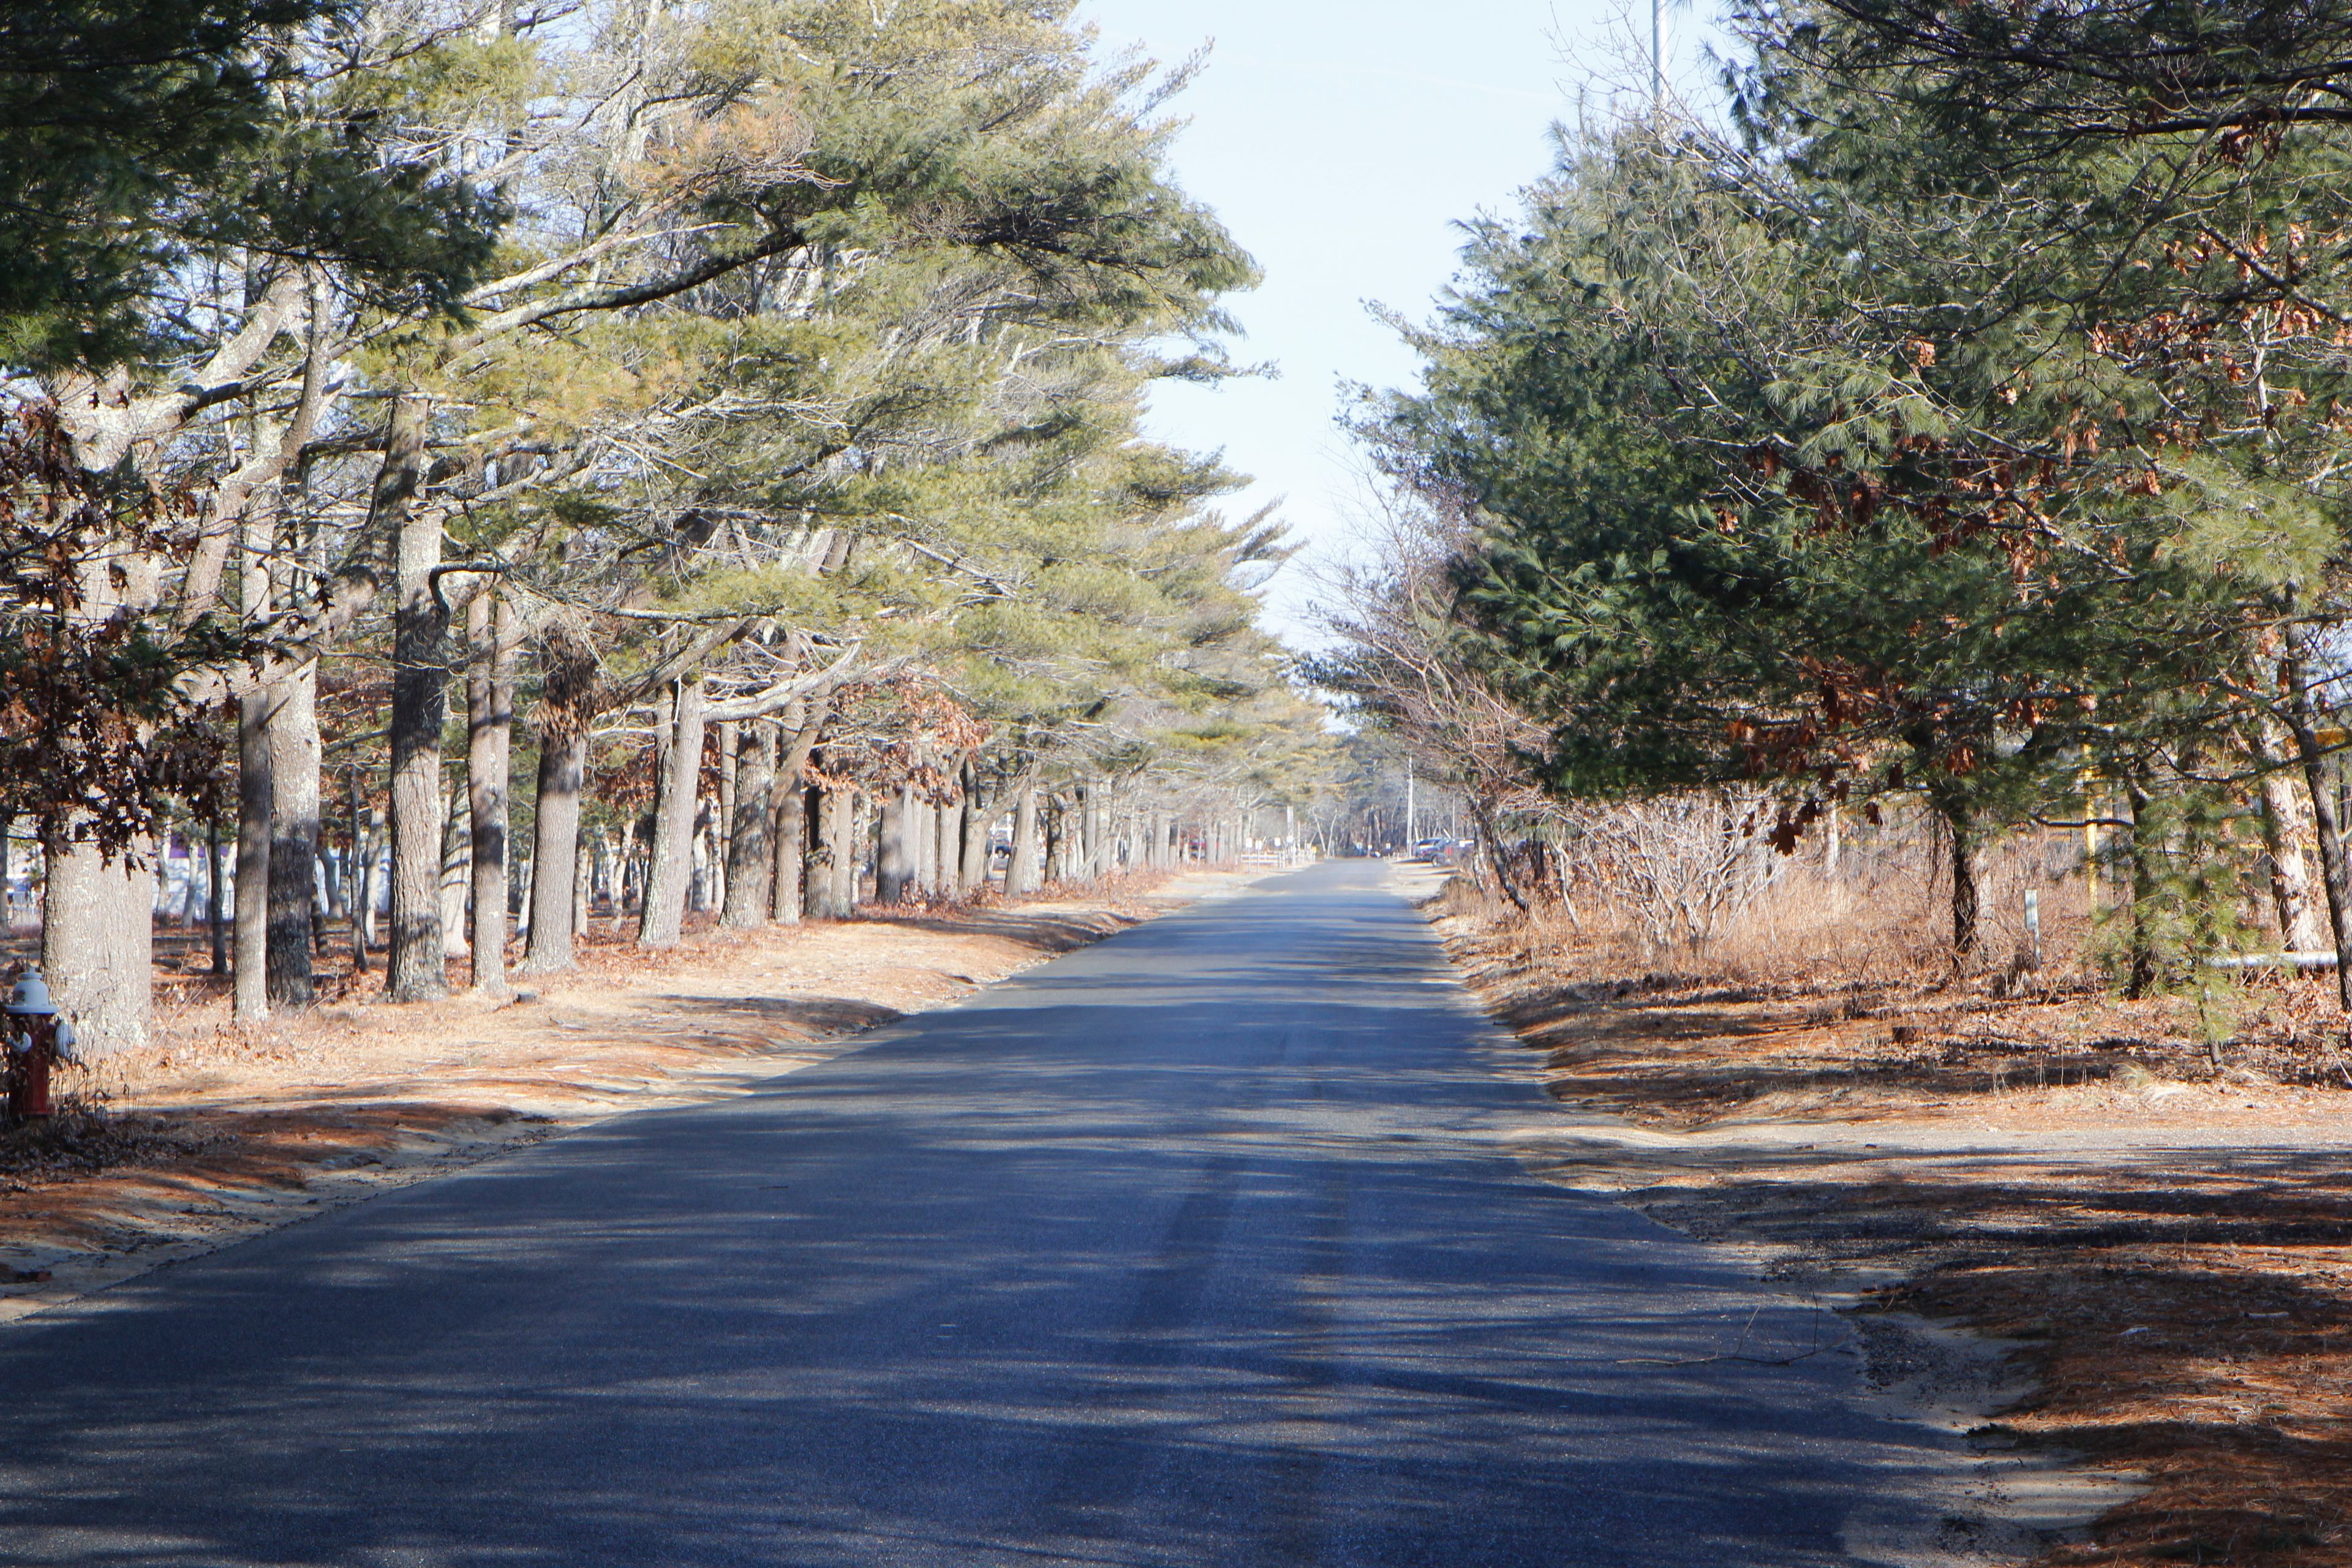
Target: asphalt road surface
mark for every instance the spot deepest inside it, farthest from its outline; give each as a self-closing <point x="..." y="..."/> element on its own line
<point x="1197" y="1247"/>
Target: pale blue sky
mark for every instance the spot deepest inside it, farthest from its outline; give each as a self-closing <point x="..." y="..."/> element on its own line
<point x="1342" y="142"/>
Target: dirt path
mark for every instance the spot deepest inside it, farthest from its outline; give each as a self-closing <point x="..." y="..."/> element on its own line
<point x="227" y="1131"/>
<point x="2156" y="1238"/>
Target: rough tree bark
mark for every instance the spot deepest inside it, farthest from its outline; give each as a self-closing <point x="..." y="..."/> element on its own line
<point x="832" y="815"/>
<point x="2285" y="824"/>
<point x="2142" y="974"/>
<point x="357" y="870"/>
<point x="457" y="863"/>
<point x="373" y="870"/>
<point x="2285" y="820"/>
<point x="794" y="836"/>
<point x="253" y="797"/>
<point x="215" y="905"/>
<point x="1966" y="885"/>
<point x="921" y="828"/>
<point x="949" y="852"/>
<point x="668" y="878"/>
<point x="1057" y="838"/>
<point x="489" y="739"/>
<point x="2302" y="722"/>
<point x="1021" y="867"/>
<point x="824" y="846"/>
<point x="253" y="790"/>
<point x="415" y="968"/>
<point x="895" y="868"/>
<point x="98" y="922"/>
<point x="583" y="884"/>
<point x="1085" y="853"/>
<point x="293" y="742"/>
<point x="751" y="859"/>
<point x="722" y="827"/>
<point x="97" y="940"/>
<point x="786" y="900"/>
<point x="856" y="837"/>
<point x="567" y="700"/>
<point x="979" y="817"/>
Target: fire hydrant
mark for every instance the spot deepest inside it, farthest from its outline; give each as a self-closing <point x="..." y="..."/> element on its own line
<point x="36" y="1038"/>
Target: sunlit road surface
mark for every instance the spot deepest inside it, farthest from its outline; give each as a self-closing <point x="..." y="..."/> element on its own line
<point x="1200" y="1246"/>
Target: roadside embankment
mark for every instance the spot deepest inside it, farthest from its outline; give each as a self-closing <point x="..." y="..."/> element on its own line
<point x="2151" y="1223"/>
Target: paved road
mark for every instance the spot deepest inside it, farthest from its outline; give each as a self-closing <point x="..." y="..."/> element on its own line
<point x="1196" y="1247"/>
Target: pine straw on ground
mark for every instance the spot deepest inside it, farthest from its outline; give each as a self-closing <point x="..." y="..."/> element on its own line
<point x="2157" y="1212"/>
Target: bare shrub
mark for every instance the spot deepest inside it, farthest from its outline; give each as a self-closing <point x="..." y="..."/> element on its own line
<point x="1693" y="883"/>
<point x="1678" y="868"/>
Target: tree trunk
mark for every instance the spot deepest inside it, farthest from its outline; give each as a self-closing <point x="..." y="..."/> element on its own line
<point x="457" y="862"/>
<point x="2285" y="824"/>
<point x="894" y="867"/>
<point x="489" y="741"/>
<point x="670" y="873"/>
<point x="950" y="847"/>
<point x="834" y="868"/>
<point x="856" y="837"/>
<point x="354" y="867"/>
<point x="253" y="813"/>
<point x="98" y="943"/>
<point x="1085" y="854"/>
<point x="2336" y="876"/>
<point x="722" y="848"/>
<point x="371" y="870"/>
<point x="583" y="884"/>
<point x="751" y="859"/>
<point x="2142" y="976"/>
<point x="703" y="854"/>
<point x="416" y="969"/>
<point x="824" y="835"/>
<point x="555" y="851"/>
<point x="1057" y="835"/>
<point x="922" y="830"/>
<point x="1494" y="846"/>
<point x="215" y="905"/>
<point x="333" y="862"/>
<point x="1965" y="888"/>
<point x="567" y="705"/>
<point x="519" y="885"/>
<point x="607" y="886"/>
<point x="979" y="822"/>
<point x="794" y="834"/>
<point x="293" y="741"/>
<point x="1021" y="867"/>
<point x="790" y="836"/>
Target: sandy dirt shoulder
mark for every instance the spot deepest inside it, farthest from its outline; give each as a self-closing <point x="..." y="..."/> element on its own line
<point x="2148" y="1239"/>
<point x="225" y="1131"/>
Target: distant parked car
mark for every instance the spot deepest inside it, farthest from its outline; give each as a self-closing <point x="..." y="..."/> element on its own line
<point x="1442" y="851"/>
